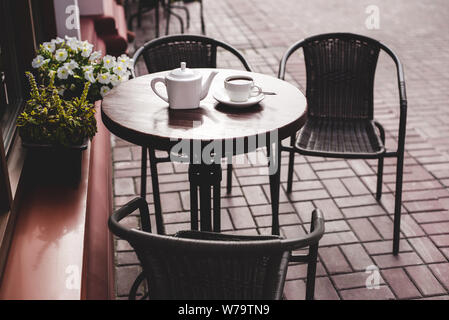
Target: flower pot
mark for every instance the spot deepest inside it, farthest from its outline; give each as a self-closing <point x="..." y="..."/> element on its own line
<point x="55" y="164"/>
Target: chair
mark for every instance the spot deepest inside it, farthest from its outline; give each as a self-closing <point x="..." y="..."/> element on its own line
<point x="340" y="69"/>
<point x="167" y="53"/>
<point x="143" y="6"/>
<point x="206" y="265"/>
<point x="185" y="8"/>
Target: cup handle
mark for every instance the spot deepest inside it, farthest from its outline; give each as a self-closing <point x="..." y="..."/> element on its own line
<point x="255" y="93"/>
<point x="153" y="86"/>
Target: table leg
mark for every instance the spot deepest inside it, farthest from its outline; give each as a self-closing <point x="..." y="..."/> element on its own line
<point x="204" y="177"/>
<point x="274" y="156"/>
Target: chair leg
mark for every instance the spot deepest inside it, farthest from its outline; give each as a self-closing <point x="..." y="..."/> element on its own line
<point x="139" y="15"/>
<point x="217" y="207"/>
<point x="143" y="173"/>
<point x="229" y="178"/>
<point x="203" y="27"/>
<point x="156" y="13"/>
<point x="311" y="272"/>
<point x="398" y="203"/>
<point x="167" y="19"/>
<point x="380" y="166"/>
<point x="156" y="195"/>
<point x="193" y="202"/>
<point x="291" y="163"/>
<point x="380" y="171"/>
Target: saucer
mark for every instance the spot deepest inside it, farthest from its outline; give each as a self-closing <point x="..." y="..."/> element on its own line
<point x="221" y="96"/>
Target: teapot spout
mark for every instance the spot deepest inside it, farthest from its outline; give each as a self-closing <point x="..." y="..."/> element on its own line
<point x="206" y="85"/>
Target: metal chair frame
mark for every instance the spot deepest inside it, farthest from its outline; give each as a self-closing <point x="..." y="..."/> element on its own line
<point x="164" y="257"/>
<point x="399" y="153"/>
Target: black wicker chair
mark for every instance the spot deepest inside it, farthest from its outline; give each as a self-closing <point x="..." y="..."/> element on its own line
<point x="205" y="265"/>
<point x="340" y="70"/>
<point x="167" y="53"/>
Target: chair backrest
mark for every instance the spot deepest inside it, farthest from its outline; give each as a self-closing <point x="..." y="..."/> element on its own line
<point x="340" y="70"/>
<point x="207" y="265"/>
<point x="168" y="52"/>
<point x="186" y="268"/>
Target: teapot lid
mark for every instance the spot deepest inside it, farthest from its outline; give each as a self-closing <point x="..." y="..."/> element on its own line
<point x="183" y="72"/>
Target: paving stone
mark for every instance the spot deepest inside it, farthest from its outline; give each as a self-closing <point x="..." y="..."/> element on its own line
<point x="425" y="280"/>
<point x="335" y="187"/>
<point x="242" y="218"/>
<point x="402" y="259"/>
<point x="383" y="293"/>
<point x="124" y="186"/>
<point x="324" y="289"/>
<point x="364" y="229"/>
<point x="299" y="271"/>
<point x="254" y="195"/>
<point x="353" y="280"/>
<point x="441" y="271"/>
<point x="427" y="250"/>
<point x="334" y="260"/>
<point x="400" y="283"/>
<point x="357" y="256"/>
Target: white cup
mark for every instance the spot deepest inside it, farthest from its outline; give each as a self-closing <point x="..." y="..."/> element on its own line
<point x="241" y="88"/>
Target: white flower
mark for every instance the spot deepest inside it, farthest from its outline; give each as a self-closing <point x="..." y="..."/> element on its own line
<point x="104" y="90"/>
<point x="49" y="46"/>
<point x="71" y="65"/>
<point x="117" y="79"/>
<point x="72" y="43"/>
<point x="61" y="91"/>
<point x="63" y="73"/>
<point x="104" y="78"/>
<point x="88" y="68"/>
<point x="95" y="56"/>
<point x="109" y="61"/>
<point x="126" y="61"/>
<point x="89" y="76"/>
<point x="58" y="40"/>
<point x="86" y="51"/>
<point x="120" y="69"/>
<point x="61" y="55"/>
<point x="38" y="61"/>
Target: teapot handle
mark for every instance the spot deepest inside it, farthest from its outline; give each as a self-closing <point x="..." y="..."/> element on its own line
<point x="153" y="86"/>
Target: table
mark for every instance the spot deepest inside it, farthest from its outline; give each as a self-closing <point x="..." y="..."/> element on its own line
<point x="134" y="113"/>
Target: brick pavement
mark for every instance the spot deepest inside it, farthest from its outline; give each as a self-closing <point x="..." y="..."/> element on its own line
<point x="358" y="228"/>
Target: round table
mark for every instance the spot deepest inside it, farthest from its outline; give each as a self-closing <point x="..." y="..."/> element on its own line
<point x="133" y="112"/>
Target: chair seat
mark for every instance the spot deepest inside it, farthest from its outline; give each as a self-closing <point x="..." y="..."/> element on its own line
<point x="339" y="138"/>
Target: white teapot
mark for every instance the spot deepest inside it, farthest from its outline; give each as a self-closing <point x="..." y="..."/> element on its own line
<point x="185" y="88"/>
